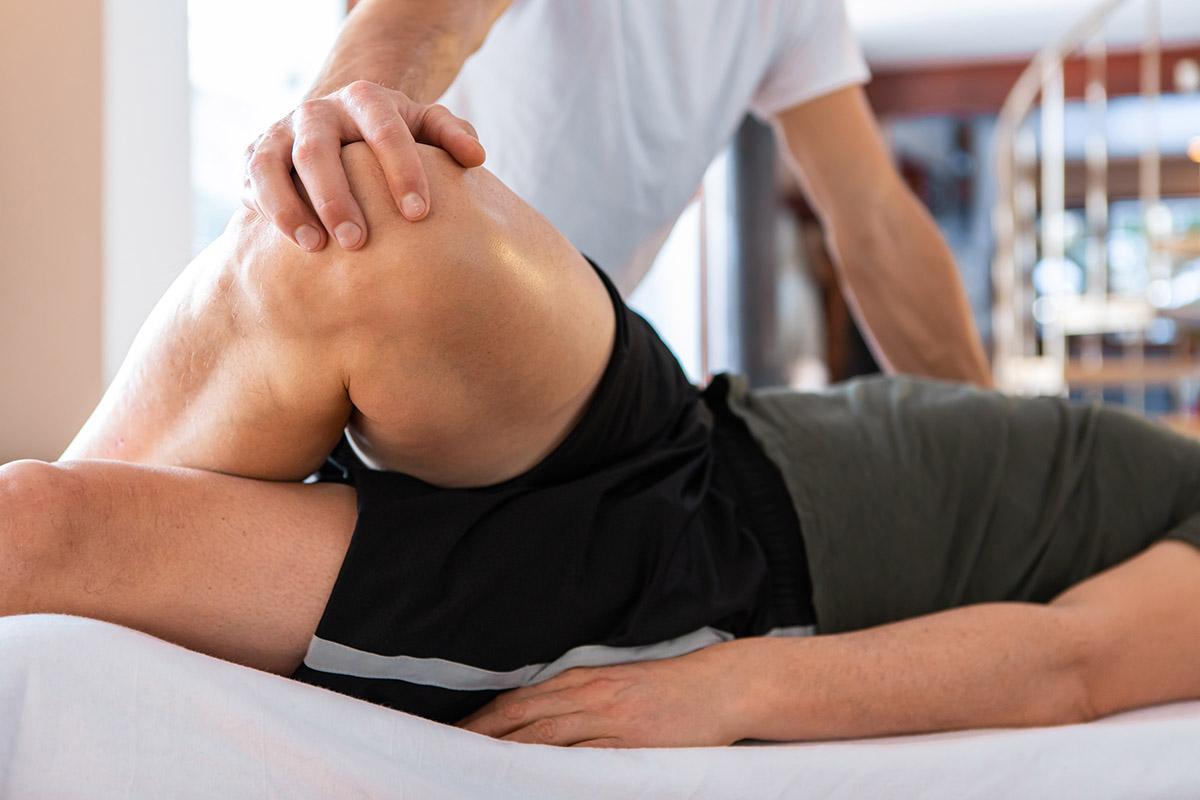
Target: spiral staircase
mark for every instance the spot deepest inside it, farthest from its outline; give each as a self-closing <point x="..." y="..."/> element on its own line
<point x="1064" y="324"/>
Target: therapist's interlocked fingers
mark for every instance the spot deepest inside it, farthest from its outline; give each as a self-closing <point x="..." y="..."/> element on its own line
<point x="310" y="141"/>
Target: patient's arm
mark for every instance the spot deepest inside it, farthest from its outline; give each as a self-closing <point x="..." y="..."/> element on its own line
<point x="460" y="350"/>
<point x="1125" y="638"/>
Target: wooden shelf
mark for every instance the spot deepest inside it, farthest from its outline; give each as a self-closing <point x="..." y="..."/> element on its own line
<point x="1115" y="371"/>
<point x="1182" y="247"/>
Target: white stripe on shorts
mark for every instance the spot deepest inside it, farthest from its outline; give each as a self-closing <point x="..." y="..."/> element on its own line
<point x="327" y="656"/>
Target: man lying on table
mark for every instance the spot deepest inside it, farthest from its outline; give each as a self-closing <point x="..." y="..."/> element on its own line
<point x="519" y="488"/>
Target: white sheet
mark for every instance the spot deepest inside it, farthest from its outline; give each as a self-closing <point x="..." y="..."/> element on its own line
<point x="90" y="710"/>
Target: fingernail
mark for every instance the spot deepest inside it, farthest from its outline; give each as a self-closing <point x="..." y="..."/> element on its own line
<point x="412" y="206"/>
<point x="348" y="234"/>
<point x="308" y="237"/>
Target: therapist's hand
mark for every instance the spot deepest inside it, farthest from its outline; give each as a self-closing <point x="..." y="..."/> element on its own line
<point x="693" y="700"/>
<point x="310" y="141"/>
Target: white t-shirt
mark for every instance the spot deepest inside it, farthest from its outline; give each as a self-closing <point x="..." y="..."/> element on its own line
<point x="604" y="114"/>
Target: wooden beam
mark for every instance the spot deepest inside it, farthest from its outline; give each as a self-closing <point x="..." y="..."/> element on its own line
<point x="1180" y="178"/>
<point x="1114" y="371"/>
<point x="980" y="87"/>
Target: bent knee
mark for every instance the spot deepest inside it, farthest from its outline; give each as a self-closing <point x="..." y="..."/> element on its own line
<point x="451" y="187"/>
<point x="37" y="504"/>
<point x="28" y="491"/>
<point x="470" y="255"/>
<point x="408" y="276"/>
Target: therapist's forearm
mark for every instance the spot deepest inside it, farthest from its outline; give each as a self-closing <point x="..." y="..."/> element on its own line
<point x="415" y="46"/>
<point x="994" y="665"/>
<point x="903" y="285"/>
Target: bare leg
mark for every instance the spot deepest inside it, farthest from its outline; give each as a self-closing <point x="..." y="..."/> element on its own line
<point x="235" y="568"/>
<point x="460" y="349"/>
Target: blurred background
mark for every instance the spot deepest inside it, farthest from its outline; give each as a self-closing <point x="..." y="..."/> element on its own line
<point x="1057" y="143"/>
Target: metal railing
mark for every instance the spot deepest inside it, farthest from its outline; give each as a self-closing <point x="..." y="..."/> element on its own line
<point x="1030" y="333"/>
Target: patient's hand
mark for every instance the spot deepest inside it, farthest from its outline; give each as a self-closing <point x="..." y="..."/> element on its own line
<point x="310" y="141"/>
<point x="693" y="700"/>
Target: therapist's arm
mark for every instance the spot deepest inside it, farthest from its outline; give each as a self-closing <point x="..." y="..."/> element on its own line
<point x="391" y="59"/>
<point x="415" y="46"/>
<point x="898" y="274"/>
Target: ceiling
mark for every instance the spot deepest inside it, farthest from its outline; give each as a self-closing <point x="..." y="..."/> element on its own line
<point x="917" y="31"/>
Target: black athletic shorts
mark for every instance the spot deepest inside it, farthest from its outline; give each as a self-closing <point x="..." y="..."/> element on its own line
<point x="626" y="543"/>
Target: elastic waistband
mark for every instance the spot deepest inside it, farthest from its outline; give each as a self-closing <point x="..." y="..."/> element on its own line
<point x="765" y="505"/>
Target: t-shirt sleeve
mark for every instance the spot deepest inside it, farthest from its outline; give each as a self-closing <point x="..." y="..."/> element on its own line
<point x="818" y="54"/>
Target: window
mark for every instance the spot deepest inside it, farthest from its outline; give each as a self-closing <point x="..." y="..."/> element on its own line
<point x="250" y="62"/>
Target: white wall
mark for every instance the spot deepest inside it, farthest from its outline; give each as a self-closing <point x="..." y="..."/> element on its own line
<point x="94" y="200"/>
<point x="50" y="229"/>
<point x="147" y="190"/>
<point x="669" y="296"/>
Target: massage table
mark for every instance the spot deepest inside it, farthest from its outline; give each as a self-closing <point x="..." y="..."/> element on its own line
<point x="93" y="710"/>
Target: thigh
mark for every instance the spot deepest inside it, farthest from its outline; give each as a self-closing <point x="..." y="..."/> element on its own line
<point x="236" y="568"/>
<point x="461" y="349"/>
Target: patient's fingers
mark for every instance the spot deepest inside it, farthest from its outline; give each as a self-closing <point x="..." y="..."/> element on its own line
<point x="685" y="701"/>
<point x="268" y="188"/>
<point x="519" y="707"/>
<point x="563" y="731"/>
<point x="514" y="710"/>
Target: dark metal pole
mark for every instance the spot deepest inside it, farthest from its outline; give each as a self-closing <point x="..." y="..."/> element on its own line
<point x="756" y="260"/>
